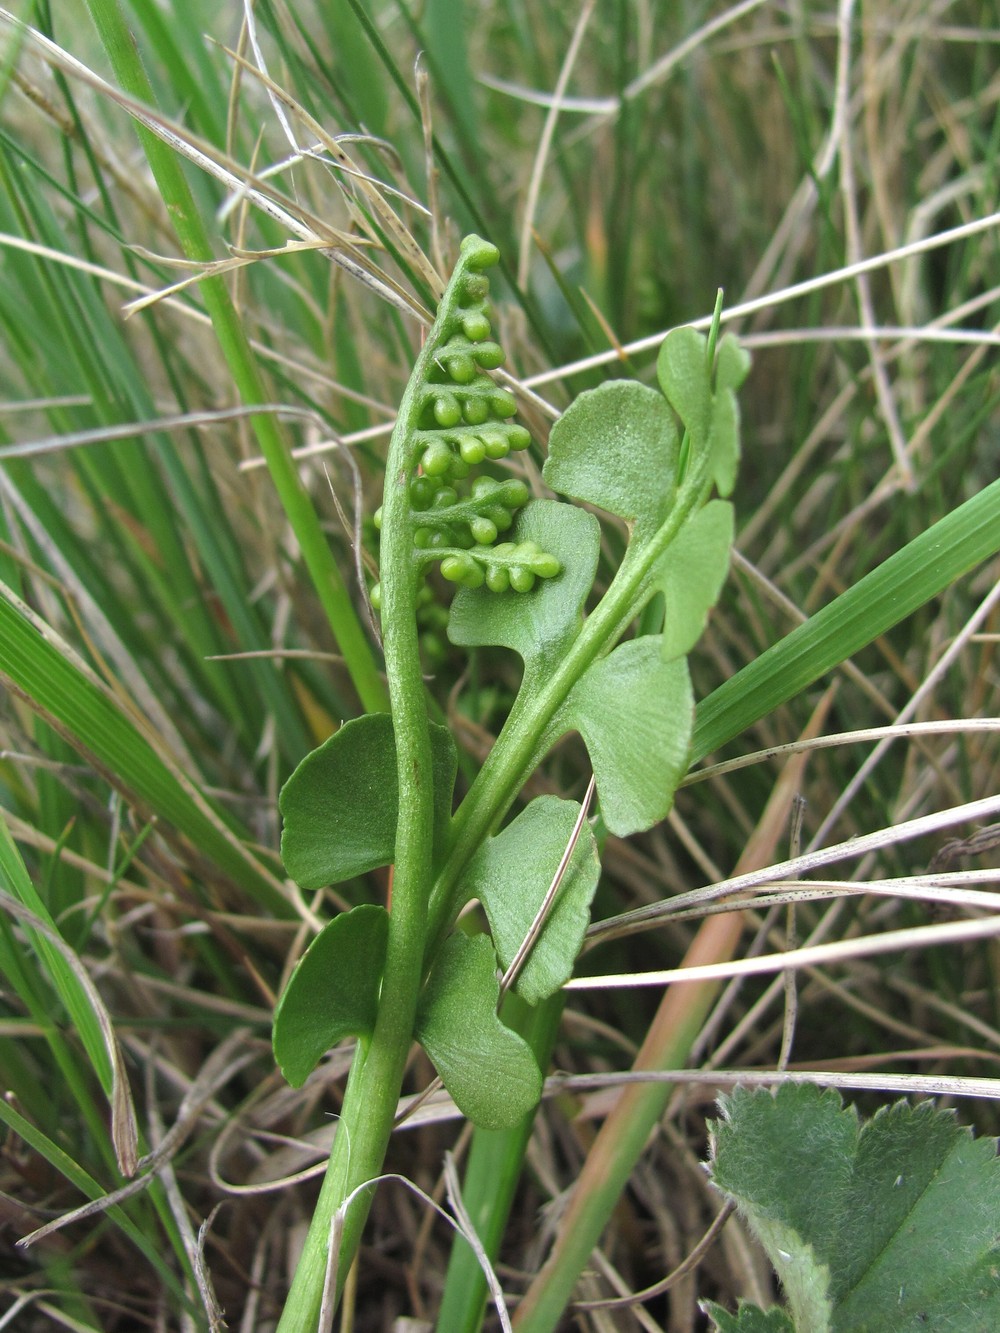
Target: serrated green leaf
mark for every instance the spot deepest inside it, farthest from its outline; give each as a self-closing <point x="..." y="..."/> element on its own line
<point x="616" y="447"/>
<point x="748" y="1319"/>
<point x="635" y="712"/>
<point x="890" y="1224"/>
<point x="333" y="992"/>
<point x="341" y="805"/>
<point x="540" y="624"/>
<point x="691" y="574"/>
<point x="488" y="1069"/>
<point x="510" y="875"/>
<point x="684" y="374"/>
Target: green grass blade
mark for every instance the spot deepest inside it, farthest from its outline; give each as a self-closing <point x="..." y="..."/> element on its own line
<point x="79" y="1007"/>
<point x="24" y="976"/>
<point x="67" y="334"/>
<point x="921" y="570"/>
<point x="80" y="709"/>
<point x="365" y="91"/>
<point x="298" y="506"/>
<point x="91" y="1189"/>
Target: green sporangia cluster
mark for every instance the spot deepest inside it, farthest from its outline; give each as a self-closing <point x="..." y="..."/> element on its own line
<point x="462" y="418"/>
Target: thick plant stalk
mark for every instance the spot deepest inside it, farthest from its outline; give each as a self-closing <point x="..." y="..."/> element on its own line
<point x="626" y="1131"/>
<point x="373" y="1087"/>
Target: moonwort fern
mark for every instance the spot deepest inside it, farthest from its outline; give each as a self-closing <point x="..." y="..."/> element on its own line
<point x="379" y="792"/>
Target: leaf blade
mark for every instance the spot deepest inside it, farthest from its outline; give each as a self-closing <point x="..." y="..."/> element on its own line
<point x="617" y="447"/>
<point x="333" y="991"/>
<point x="489" y="1070"/>
<point x="541" y="624"/>
<point x="890" y="1223"/>
<point x="341" y="805"/>
<point x="510" y="876"/>
<point x="639" y="752"/>
<point x="692" y="574"/>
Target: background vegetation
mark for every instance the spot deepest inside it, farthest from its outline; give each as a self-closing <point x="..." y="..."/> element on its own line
<point x="183" y="636"/>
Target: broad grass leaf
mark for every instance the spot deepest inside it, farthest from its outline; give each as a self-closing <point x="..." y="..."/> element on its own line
<point x="341" y="805"/>
<point x="539" y="625"/>
<point x="889" y="1223"/>
<point x="616" y="447"/>
<point x="510" y="875"/>
<point x="635" y="712"/>
<point x="333" y="992"/>
<point x="489" y="1070"/>
<point x="911" y="576"/>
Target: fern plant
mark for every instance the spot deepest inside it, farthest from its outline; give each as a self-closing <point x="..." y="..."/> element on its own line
<point x="161" y="530"/>
<point x="379" y="791"/>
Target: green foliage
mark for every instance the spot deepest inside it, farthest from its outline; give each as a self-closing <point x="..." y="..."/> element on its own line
<point x="333" y="992"/>
<point x="850" y="1212"/>
<point x="925" y="567"/>
<point x="489" y="1070"/>
<point x="710" y="416"/>
<point x="340" y="806"/>
<point x="84" y="710"/>
<point x="541" y="629"/>
<point x="692" y="576"/>
<point x="618" y="447"/>
<point x="177" y="632"/>
<point x="75" y="999"/>
<point x="634" y="471"/>
<point x="510" y="875"/>
<point x="639" y="754"/>
<point x="750" y="1319"/>
<point x="189" y="225"/>
<point x="380" y="788"/>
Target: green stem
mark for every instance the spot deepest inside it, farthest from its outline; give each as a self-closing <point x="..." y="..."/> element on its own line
<point x="182" y="210"/>
<point x="376" y="1077"/>
<point x="377" y="1073"/>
